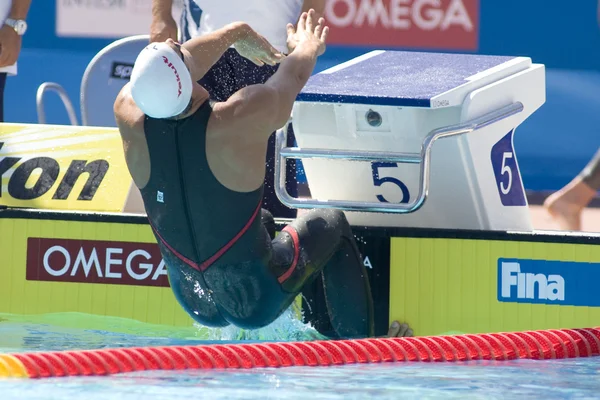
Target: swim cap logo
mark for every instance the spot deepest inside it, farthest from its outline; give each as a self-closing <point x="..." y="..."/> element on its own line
<point x="170" y="65"/>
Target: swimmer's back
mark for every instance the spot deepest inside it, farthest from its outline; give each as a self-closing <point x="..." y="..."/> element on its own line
<point x="191" y="212"/>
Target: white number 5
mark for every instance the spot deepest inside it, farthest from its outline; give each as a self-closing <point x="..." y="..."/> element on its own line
<point x="506" y="169"/>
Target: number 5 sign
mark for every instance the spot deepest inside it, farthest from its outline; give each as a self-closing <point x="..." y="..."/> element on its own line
<point x="508" y="179"/>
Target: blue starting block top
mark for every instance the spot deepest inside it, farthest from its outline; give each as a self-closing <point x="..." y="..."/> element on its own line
<point x="396" y="78"/>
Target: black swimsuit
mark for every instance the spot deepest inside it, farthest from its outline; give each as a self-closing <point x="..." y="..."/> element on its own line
<point x="222" y="263"/>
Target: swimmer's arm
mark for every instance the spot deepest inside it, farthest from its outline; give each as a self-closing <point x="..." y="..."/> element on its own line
<point x="267" y="107"/>
<point x="288" y="81"/>
<point x="130" y="121"/>
<point x="207" y="49"/>
<point x="129" y="117"/>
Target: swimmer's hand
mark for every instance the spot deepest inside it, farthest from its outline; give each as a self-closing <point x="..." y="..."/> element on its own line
<point x="163" y="27"/>
<point x="399" y="330"/>
<point x="257" y="49"/>
<point x="306" y="32"/>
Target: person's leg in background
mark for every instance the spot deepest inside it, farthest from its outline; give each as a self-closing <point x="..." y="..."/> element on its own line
<point x="2" y="84"/>
<point x="566" y="205"/>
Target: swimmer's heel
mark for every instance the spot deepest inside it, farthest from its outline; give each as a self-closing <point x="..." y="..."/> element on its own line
<point x="348" y="292"/>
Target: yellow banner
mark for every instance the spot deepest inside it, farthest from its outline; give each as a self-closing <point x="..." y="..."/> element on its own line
<point x="62" y="168"/>
<point x="146" y="297"/>
<point x="442" y="286"/>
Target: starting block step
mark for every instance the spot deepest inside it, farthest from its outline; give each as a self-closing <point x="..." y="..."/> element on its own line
<point x="416" y="139"/>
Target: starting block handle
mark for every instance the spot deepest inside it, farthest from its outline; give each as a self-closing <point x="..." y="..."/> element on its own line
<point x="423" y="158"/>
<point x="54" y="87"/>
<point x="404" y="158"/>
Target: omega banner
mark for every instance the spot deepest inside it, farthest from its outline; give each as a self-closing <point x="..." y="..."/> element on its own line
<point x="425" y="24"/>
<point x="95" y="261"/>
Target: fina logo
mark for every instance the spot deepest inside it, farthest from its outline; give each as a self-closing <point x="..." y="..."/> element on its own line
<point x="530" y="287"/>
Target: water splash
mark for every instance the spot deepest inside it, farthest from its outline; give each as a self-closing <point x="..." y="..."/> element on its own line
<point x="288" y="327"/>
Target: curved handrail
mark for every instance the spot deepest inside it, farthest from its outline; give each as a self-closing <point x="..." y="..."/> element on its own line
<point x="422" y="158"/>
<point x="54" y="87"/>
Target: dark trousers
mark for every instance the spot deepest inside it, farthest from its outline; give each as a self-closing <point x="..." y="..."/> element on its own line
<point x="2" y="83"/>
<point x="231" y="73"/>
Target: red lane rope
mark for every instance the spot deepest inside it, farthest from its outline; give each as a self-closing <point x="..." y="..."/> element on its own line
<point x="541" y="345"/>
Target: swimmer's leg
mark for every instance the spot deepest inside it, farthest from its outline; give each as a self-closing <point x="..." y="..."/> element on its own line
<point x="323" y="244"/>
<point x="318" y="245"/>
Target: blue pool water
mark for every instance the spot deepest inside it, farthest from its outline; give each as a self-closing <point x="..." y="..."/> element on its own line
<point x="559" y="379"/>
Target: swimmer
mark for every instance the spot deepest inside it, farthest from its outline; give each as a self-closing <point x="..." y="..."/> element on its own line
<point x="200" y="167"/>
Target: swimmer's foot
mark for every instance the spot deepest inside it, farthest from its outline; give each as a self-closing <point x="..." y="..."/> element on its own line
<point x="399" y="330"/>
<point x="566" y="205"/>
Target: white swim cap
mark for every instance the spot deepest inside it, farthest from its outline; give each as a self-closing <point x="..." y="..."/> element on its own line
<point x="161" y="84"/>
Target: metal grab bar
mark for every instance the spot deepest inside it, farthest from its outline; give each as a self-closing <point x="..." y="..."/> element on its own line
<point x="423" y="158"/>
<point x="295" y="152"/>
<point x="54" y="87"/>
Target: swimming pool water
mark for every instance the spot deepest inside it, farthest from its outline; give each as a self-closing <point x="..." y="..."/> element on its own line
<point x="555" y="379"/>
